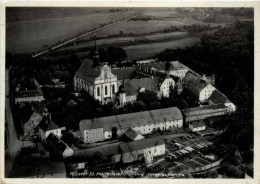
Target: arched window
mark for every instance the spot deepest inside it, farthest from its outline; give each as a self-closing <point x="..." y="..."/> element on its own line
<point x="113" y="89"/>
<point x="98" y="91"/>
<point x="105" y="90"/>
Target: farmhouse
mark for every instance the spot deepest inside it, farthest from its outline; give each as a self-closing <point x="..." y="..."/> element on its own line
<point x="125" y="152"/>
<point x="199" y="86"/>
<point x="29" y="96"/>
<point x="58" y="148"/>
<point x="46" y="127"/>
<point x="200" y="113"/>
<point x="196" y="126"/>
<point x="141" y="149"/>
<point x="142" y="122"/>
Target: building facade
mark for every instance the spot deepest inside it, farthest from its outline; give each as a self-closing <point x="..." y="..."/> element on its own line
<point x="200" y="113"/>
<point x="142" y="122"/>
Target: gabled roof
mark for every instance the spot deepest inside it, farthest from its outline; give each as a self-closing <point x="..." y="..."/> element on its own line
<point x="133" y="86"/>
<point x="204" y="109"/>
<point x="194" y="83"/>
<point x="35" y="119"/>
<point x="87" y="72"/>
<point x="47" y="124"/>
<point x="123" y="73"/>
<point x="161" y="66"/>
<point x="131" y="134"/>
<point x="197" y="124"/>
<point x="105" y="150"/>
<point x="140" y="144"/>
<point x="217" y="97"/>
<point x="125" y="121"/>
<point x="56" y="142"/>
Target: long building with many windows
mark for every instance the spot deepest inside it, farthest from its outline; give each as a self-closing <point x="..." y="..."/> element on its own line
<point x="94" y="130"/>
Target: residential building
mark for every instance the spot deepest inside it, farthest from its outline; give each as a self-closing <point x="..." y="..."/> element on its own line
<point x="198" y="85"/>
<point x="196" y="126"/>
<point x="46" y="127"/>
<point x="219" y="98"/>
<point x="141" y="149"/>
<point x="143" y="122"/>
<point x="200" y="113"/>
<point x="31" y="125"/>
<point x="29" y="96"/>
<point x="174" y="68"/>
<point x="58" y="148"/>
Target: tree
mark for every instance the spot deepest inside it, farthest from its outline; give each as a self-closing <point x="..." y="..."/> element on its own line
<point x="190" y="97"/>
<point x="147" y="97"/>
<point x="115" y="55"/>
<point x="233" y="171"/>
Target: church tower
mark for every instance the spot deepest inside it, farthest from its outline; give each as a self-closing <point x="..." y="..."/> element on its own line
<point x="96" y="55"/>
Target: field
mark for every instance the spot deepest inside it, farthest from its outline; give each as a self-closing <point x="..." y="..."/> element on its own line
<point x="26" y="33"/>
<point x="34" y="35"/>
<point x="149" y="50"/>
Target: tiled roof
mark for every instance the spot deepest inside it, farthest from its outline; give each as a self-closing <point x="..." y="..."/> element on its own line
<point x="87" y="72"/>
<point x="125" y="121"/>
<point x="133" y="86"/>
<point x="105" y="150"/>
<point x="197" y="124"/>
<point x="56" y="142"/>
<point x="217" y="97"/>
<point x="123" y="73"/>
<point x="194" y="83"/>
<point x="131" y="134"/>
<point x="47" y="124"/>
<point x="29" y="93"/>
<point x="203" y="110"/>
<point x="35" y="119"/>
<point x="161" y="66"/>
<point x="141" y="144"/>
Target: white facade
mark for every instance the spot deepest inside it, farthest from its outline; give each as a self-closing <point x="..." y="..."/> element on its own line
<point x="196" y="129"/>
<point x="179" y="73"/>
<point x="166" y="86"/>
<point x="206" y="92"/>
<point x="93" y="135"/>
<point x="102" y="88"/>
<point x="56" y="132"/>
<point x="29" y="99"/>
<point x="149" y="128"/>
<point x="230" y="106"/>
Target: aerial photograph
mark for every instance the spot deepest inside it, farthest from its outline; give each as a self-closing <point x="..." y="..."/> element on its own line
<point x="129" y="92"/>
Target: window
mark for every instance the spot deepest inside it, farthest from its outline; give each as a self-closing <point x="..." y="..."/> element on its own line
<point x="105" y="90"/>
<point x="98" y="91"/>
<point x="113" y="89"/>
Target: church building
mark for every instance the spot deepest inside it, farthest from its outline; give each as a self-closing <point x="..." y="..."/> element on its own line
<point x="97" y="79"/>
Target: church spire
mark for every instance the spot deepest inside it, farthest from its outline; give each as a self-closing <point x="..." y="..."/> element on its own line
<point x="96" y="55"/>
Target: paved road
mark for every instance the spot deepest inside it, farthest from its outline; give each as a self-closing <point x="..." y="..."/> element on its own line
<point x="13" y="143"/>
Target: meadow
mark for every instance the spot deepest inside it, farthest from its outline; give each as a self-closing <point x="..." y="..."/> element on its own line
<point x="34" y="35"/>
